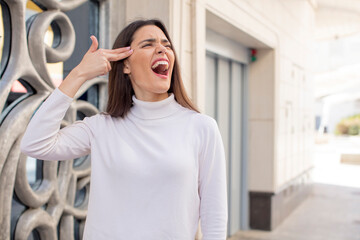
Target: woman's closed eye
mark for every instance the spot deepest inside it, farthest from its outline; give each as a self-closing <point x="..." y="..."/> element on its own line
<point x="150" y="44"/>
<point x="147" y="45"/>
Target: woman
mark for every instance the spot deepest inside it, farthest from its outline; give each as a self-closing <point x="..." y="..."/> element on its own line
<point x="158" y="165"/>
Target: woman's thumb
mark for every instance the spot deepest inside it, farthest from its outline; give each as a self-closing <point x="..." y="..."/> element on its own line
<point x="94" y="44"/>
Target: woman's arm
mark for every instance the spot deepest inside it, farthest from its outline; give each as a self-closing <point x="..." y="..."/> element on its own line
<point x="43" y="138"/>
<point x="95" y="62"/>
<point x="212" y="186"/>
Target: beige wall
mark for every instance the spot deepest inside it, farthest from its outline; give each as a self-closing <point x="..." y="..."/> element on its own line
<point x="280" y="85"/>
<point x="293" y="22"/>
<point x="280" y="96"/>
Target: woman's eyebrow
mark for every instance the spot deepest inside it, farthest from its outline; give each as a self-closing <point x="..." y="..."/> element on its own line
<point x="153" y="40"/>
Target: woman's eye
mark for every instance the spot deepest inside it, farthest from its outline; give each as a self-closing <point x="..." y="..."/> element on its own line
<point x="168" y="46"/>
<point x="147" y="45"/>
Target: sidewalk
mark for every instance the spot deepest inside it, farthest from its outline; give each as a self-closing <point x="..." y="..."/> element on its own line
<point x="332" y="212"/>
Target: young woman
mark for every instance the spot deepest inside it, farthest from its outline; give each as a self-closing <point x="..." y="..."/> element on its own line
<point x="158" y="165"/>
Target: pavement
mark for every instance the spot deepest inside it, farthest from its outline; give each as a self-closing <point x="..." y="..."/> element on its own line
<point x="332" y="211"/>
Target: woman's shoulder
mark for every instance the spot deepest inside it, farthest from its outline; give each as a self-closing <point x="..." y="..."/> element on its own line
<point x="203" y="121"/>
<point x="205" y="127"/>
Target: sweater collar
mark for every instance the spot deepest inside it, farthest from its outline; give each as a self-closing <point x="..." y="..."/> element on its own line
<point x="154" y="110"/>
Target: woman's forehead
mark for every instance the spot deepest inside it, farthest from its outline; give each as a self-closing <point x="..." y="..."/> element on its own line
<point x="149" y="31"/>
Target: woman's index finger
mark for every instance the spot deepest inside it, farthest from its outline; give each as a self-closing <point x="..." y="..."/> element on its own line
<point x="117" y="50"/>
<point x="122" y="49"/>
<point x="115" y="56"/>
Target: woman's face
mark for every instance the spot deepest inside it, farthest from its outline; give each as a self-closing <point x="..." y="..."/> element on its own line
<point x="151" y="64"/>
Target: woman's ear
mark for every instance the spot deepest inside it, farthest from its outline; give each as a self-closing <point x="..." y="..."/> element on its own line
<point x="126" y="67"/>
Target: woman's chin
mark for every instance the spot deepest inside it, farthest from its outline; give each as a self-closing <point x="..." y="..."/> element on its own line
<point x="162" y="89"/>
<point x="161" y="85"/>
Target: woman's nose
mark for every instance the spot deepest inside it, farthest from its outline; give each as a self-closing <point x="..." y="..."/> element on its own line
<point x="161" y="49"/>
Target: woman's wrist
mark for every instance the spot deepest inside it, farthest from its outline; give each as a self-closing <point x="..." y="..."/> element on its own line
<point x="73" y="82"/>
<point x="78" y="75"/>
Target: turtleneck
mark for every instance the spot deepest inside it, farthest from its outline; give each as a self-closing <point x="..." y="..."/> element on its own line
<point x="154" y="110"/>
<point x="145" y="171"/>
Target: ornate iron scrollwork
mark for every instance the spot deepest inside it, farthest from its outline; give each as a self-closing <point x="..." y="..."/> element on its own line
<point x="56" y="207"/>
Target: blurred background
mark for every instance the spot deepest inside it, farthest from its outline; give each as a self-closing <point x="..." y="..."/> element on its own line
<point x="281" y="78"/>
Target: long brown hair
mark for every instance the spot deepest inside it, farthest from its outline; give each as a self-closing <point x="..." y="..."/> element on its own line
<point x="120" y="89"/>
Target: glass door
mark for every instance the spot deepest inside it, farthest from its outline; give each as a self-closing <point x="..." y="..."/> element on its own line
<point x="224" y="83"/>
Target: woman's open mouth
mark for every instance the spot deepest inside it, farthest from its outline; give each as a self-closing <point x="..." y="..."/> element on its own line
<point x="161" y="68"/>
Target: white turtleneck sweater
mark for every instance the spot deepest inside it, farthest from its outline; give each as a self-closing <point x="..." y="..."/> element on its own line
<point x="154" y="173"/>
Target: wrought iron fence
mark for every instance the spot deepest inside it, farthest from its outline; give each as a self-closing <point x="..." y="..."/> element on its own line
<point x="42" y="199"/>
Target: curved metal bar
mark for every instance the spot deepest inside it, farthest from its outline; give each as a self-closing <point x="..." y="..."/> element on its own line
<point x="7" y="37"/>
<point x="15" y="124"/>
<point x="26" y="194"/>
<point x="40" y="53"/>
<point x="64" y="5"/>
<point x="51" y="206"/>
<point x="35" y="219"/>
<point x="7" y="179"/>
<point x="10" y="134"/>
<point x="99" y="80"/>
<point x="19" y="64"/>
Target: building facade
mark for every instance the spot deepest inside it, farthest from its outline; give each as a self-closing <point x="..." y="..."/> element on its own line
<point x="247" y="63"/>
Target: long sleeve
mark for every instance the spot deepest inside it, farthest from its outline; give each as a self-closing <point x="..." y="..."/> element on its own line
<point x="43" y="138"/>
<point x="212" y="186"/>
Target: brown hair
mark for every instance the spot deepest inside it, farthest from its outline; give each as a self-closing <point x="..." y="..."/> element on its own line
<point x="120" y="89"/>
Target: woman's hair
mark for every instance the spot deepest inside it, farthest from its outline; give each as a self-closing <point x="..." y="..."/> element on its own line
<point x="120" y="89"/>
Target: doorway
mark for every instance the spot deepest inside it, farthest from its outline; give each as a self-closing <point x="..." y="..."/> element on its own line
<point x="225" y="102"/>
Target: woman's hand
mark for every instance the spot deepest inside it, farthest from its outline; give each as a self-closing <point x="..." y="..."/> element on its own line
<point x="95" y="62"/>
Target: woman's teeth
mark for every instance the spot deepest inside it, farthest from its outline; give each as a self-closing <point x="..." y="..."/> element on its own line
<point x="160" y="63"/>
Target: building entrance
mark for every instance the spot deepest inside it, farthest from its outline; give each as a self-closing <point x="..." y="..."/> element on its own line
<point x="224" y="102"/>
